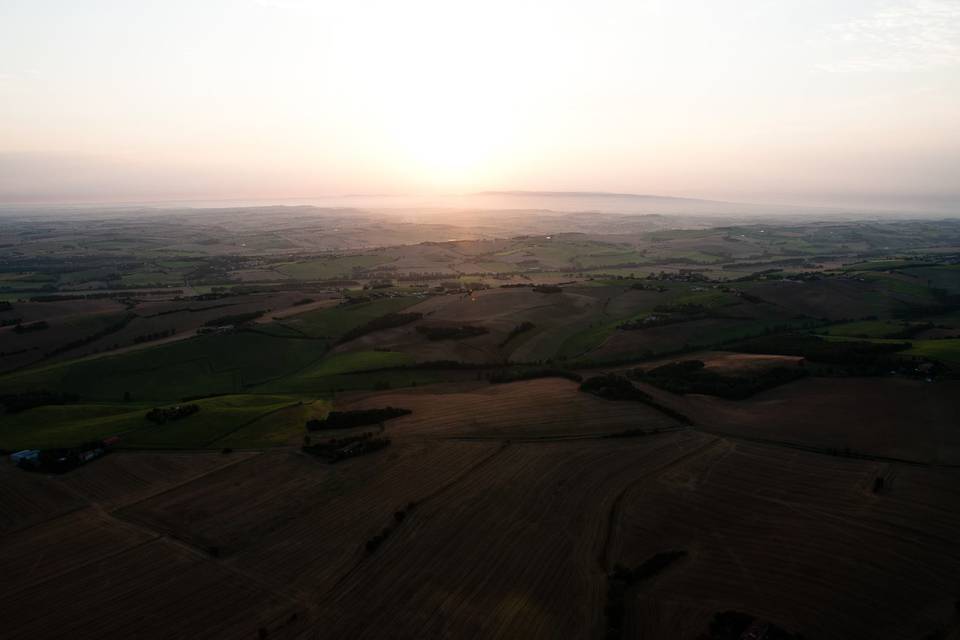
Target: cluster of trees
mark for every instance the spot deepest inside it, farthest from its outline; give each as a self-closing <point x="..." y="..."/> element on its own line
<point x="9" y="322"/>
<point x="641" y="286"/>
<point x="398" y="517"/>
<point x="506" y="375"/>
<point x="547" y="288"/>
<point x="342" y="448"/>
<point x="689" y="308"/>
<point x="815" y="349"/>
<point x="612" y="386"/>
<point x="116" y="293"/>
<point x="39" y="325"/>
<point x="451" y="333"/>
<point x="651" y="321"/>
<point x="785" y="262"/>
<point x="16" y="402"/>
<point x="622" y="579"/>
<point x="665" y="314"/>
<point x="356" y="418"/>
<point x="237" y="318"/>
<point x="523" y="327"/>
<point x="749" y="297"/>
<point x="388" y="321"/>
<point x="690" y="376"/>
<point x="103" y="333"/>
<point x="421" y="276"/>
<point x="682" y="275"/>
<point x="911" y="330"/>
<point x="148" y="337"/>
<point x="5" y="306"/>
<point x="161" y="415"/>
<point x="190" y="310"/>
<point x="218" y="293"/>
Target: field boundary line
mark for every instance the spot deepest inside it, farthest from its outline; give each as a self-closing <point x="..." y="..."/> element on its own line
<point x="182" y="484"/>
<point x="610" y="435"/>
<point x="85" y="565"/>
<point x="27" y="527"/>
<point x="251" y="421"/>
<point x="164" y="537"/>
<point x="419" y="502"/>
<point x="615" y="509"/>
<point x="826" y="451"/>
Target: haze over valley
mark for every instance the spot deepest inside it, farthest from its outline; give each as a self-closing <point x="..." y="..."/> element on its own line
<point x="498" y="320"/>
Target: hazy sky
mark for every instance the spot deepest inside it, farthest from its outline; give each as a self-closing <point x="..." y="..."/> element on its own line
<point x="854" y="101"/>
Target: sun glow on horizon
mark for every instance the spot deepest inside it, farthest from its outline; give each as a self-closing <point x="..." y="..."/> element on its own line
<point x="746" y="100"/>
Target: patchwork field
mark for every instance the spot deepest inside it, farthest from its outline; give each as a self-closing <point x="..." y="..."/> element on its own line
<point x="364" y="424"/>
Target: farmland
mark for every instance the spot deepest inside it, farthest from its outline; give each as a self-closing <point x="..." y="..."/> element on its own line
<point x="808" y="480"/>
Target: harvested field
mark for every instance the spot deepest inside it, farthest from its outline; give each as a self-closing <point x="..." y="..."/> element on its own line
<point x="60" y="545"/>
<point x="797" y="539"/>
<point x="129" y="594"/>
<point x="510" y="552"/>
<point x="122" y="478"/>
<point x="27" y="499"/>
<point x="505" y="530"/>
<point x="240" y="507"/>
<point x="727" y="362"/>
<point x="547" y="407"/>
<point x="890" y="417"/>
<point x="324" y="542"/>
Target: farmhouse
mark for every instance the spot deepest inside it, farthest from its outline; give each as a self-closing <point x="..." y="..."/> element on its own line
<point x="27" y="456"/>
<point x="62" y="460"/>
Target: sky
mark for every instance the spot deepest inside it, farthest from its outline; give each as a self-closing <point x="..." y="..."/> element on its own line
<point x="832" y="102"/>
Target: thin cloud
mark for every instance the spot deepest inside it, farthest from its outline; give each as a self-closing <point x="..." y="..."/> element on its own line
<point x="298" y="5"/>
<point x="902" y="36"/>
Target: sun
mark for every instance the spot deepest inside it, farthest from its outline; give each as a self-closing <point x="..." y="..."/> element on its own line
<point x="449" y="142"/>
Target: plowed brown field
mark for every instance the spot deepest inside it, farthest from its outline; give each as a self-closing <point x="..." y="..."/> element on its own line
<point x="535" y="408"/>
<point x="515" y="509"/>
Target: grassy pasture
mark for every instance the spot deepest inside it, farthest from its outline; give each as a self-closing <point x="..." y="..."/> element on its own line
<point x="946" y="350"/>
<point x="345" y="370"/>
<point x="223" y="418"/>
<point x="199" y="366"/>
<point x="278" y="427"/>
<point x="863" y="329"/>
<point x="335" y="321"/>
<point x="333" y="267"/>
<point x="240" y="420"/>
<point x="942" y="276"/>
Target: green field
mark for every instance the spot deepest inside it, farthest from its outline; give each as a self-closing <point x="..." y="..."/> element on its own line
<point x="199" y="366"/>
<point x="243" y="420"/>
<point x="333" y="322"/>
<point x="864" y="329"/>
<point x="232" y="420"/>
<point x="279" y="427"/>
<point x="317" y="377"/>
<point x="333" y="267"/>
<point x="946" y="350"/>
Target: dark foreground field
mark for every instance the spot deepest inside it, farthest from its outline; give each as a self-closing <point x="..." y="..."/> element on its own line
<point x="507" y="508"/>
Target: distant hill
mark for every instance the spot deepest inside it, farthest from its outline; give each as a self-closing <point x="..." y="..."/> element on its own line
<point x="591" y="194"/>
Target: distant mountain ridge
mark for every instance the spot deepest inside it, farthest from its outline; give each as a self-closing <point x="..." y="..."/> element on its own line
<point x="594" y="194"/>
